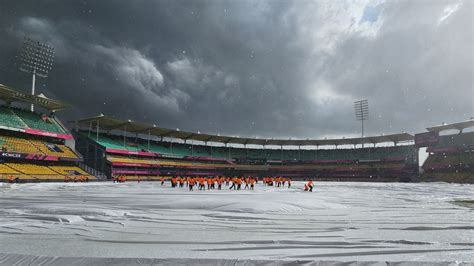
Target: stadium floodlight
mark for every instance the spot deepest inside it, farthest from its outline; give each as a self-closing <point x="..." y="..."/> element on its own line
<point x="36" y="59"/>
<point x="361" y="109"/>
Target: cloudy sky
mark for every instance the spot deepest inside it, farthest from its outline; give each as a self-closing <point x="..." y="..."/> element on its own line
<point x="252" y="68"/>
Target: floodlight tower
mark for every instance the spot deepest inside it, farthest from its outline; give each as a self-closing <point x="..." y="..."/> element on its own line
<point x="361" y="109"/>
<point x="36" y="59"/>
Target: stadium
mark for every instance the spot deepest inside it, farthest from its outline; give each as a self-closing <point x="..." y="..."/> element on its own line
<point x="93" y="214"/>
<point x="38" y="147"/>
<point x="97" y="221"/>
<point x="236" y="133"/>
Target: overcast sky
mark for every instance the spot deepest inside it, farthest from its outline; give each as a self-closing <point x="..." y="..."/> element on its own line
<point x="252" y="68"/>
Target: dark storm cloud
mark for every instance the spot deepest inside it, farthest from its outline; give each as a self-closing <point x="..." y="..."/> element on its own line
<point x="266" y="68"/>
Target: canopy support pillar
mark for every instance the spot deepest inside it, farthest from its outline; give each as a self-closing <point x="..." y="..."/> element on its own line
<point x="124" y="135"/>
<point x="148" y="140"/>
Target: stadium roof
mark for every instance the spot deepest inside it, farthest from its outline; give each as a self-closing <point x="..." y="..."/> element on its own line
<point x="107" y="123"/>
<point x="10" y="95"/>
<point x="458" y="126"/>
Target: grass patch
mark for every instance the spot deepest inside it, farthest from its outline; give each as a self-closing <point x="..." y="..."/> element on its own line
<point x="465" y="203"/>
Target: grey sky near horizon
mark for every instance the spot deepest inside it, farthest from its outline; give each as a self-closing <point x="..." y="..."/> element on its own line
<point x="252" y="68"/>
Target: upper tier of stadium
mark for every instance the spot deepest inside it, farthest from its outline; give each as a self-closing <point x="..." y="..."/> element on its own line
<point x="17" y="119"/>
<point x="453" y="126"/>
<point x="11" y="95"/>
<point x="105" y="123"/>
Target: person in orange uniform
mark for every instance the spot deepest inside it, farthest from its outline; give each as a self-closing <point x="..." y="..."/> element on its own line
<point x="289" y="182"/>
<point x="181" y="182"/>
<point x="202" y="184"/>
<point x="220" y="180"/>
<point x="310" y="185"/>
<point x="191" y="183"/>
<point x="162" y="180"/>
<point x="234" y="183"/>
<point x="252" y="183"/>
<point x="209" y="183"/>
<point x="239" y="183"/>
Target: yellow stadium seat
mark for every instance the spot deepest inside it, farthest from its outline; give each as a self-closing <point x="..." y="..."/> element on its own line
<point x="31" y="169"/>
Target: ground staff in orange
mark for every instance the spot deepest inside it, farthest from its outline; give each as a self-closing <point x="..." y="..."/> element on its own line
<point x="234" y="183"/>
<point x="191" y="182"/>
<point x="310" y="185"/>
<point x="202" y="184"/>
<point x="239" y="183"/>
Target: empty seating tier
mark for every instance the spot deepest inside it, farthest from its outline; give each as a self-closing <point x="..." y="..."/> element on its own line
<point x="36" y="121"/>
<point x="31" y="169"/>
<point x="33" y="146"/>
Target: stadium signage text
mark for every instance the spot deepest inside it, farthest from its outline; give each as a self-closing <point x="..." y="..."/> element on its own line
<point x="11" y="155"/>
<point x="37" y="157"/>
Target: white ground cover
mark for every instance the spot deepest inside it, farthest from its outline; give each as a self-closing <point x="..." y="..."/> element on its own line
<point x="337" y="222"/>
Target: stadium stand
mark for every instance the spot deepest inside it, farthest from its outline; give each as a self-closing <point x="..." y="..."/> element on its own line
<point x="451" y="159"/>
<point x="31" y="169"/>
<point x="5" y="169"/>
<point x="38" y="121"/>
<point x="126" y="153"/>
<point x="28" y="145"/>
<point x="69" y="170"/>
<point x="9" y="119"/>
<point x="21" y="119"/>
<point x="34" y="145"/>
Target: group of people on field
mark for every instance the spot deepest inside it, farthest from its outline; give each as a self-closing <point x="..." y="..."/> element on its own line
<point x="277" y="181"/>
<point x="120" y="179"/>
<point x="76" y="178"/>
<point x="13" y="179"/>
<point x="233" y="183"/>
<point x="216" y="182"/>
<point x="212" y="182"/>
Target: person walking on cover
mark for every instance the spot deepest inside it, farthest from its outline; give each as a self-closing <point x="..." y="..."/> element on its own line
<point x="252" y="182"/>
<point x="202" y="184"/>
<point x="239" y="183"/>
<point x="234" y="183"/>
<point x="310" y="185"/>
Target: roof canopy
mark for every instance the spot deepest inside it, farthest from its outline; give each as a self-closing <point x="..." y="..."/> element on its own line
<point x="458" y="126"/>
<point x="10" y="95"/>
<point x="107" y="123"/>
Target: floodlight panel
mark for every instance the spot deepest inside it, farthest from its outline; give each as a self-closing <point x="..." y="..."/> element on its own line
<point x="36" y="57"/>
